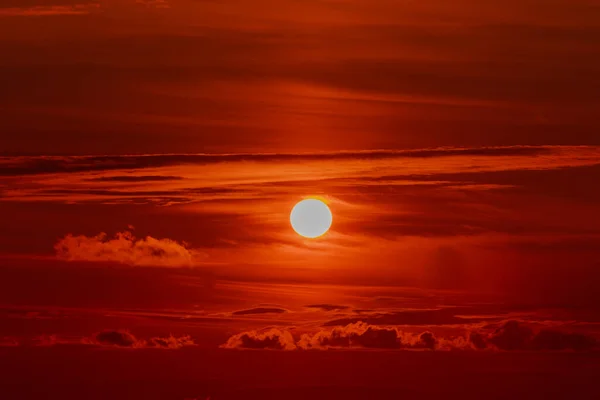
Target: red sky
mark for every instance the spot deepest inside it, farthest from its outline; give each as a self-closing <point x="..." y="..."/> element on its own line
<point x="151" y="152"/>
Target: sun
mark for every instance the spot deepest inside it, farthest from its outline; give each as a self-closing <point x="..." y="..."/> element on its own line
<point x="311" y="218"/>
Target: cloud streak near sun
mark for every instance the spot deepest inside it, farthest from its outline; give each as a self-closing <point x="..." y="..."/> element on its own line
<point x="184" y="179"/>
<point x="235" y="207"/>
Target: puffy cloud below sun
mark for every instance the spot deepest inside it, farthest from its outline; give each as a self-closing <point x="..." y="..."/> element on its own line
<point x="511" y="335"/>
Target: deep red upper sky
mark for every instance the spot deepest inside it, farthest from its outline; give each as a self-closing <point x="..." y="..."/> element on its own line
<point x="126" y="76"/>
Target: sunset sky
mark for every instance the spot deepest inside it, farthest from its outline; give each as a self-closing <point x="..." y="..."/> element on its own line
<point x="151" y="152"/>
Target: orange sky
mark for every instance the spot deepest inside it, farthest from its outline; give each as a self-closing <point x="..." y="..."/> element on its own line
<point x="151" y="152"/>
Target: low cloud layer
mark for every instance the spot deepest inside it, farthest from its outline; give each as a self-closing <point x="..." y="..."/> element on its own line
<point x="127" y="339"/>
<point x="367" y="336"/>
<point x="511" y="335"/>
<point x="271" y="339"/>
<point x="517" y="336"/>
<point x="113" y="338"/>
<point x="125" y="248"/>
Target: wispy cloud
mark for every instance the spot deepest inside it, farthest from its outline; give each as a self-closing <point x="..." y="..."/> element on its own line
<point x="154" y="3"/>
<point x="51" y="10"/>
<point x="170" y="179"/>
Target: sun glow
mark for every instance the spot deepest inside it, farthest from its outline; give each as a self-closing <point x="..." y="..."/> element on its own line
<point x="311" y="218"/>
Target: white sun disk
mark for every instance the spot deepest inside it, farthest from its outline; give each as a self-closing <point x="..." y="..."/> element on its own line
<point x="311" y="218"/>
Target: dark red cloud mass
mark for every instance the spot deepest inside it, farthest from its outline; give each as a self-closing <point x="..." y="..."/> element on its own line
<point x="110" y="338"/>
<point x="511" y="335"/>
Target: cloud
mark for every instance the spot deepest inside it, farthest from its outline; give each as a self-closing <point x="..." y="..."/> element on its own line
<point x="123" y="338"/>
<point x="510" y="336"/>
<point x="171" y="342"/>
<point x="270" y="339"/>
<point x="514" y="335"/>
<point x="555" y="340"/>
<point x="359" y="335"/>
<point x="443" y="316"/>
<point x="477" y="340"/>
<point x="110" y="338"/>
<point x="22" y="165"/>
<point x="260" y="310"/>
<point x="135" y="178"/>
<point x="327" y="307"/>
<point x="52" y="10"/>
<point x="117" y="338"/>
<point x="125" y="248"/>
<point x="154" y="3"/>
<point x="367" y="336"/>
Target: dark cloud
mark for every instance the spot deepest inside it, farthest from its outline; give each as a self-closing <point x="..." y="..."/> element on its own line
<point x="105" y="192"/>
<point x="110" y="338"/>
<point x="515" y="335"/>
<point x="510" y="336"/>
<point x="133" y="178"/>
<point x="270" y="339"/>
<point x="477" y="340"/>
<point x="120" y="338"/>
<point x="15" y="166"/>
<point x="556" y="340"/>
<point x="116" y="338"/>
<point x="354" y="335"/>
<point x="260" y="310"/>
<point x="171" y="342"/>
<point x="359" y="335"/>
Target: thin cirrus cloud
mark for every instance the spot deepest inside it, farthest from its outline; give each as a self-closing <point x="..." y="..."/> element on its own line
<point x="23" y="165"/>
<point x="429" y="192"/>
<point x="50" y="10"/>
<point x="169" y="179"/>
